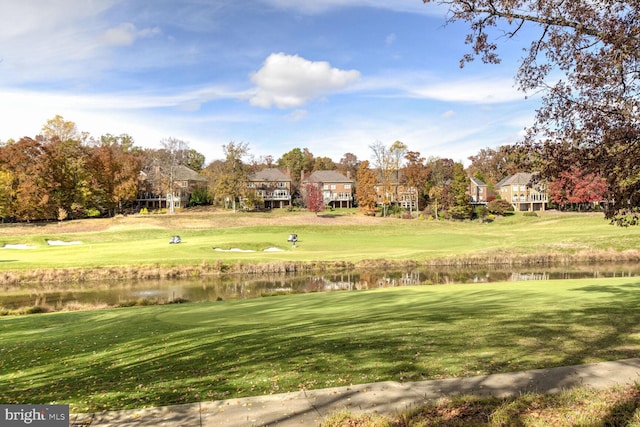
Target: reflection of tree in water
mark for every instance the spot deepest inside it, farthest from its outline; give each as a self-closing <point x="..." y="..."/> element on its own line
<point x="225" y="287"/>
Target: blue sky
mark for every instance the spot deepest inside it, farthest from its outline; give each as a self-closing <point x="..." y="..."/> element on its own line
<point x="333" y="76"/>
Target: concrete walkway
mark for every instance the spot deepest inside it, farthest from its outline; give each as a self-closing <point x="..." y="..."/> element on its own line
<point x="308" y="408"/>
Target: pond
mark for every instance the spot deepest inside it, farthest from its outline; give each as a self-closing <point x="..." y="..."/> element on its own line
<point x="215" y="288"/>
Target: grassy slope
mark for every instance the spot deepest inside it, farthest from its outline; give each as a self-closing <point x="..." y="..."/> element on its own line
<point x="144" y="240"/>
<point x="169" y="354"/>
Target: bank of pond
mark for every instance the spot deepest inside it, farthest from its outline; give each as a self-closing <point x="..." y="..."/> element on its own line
<point x="47" y="297"/>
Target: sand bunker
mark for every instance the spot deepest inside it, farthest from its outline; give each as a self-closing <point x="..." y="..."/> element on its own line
<point x="246" y="250"/>
<point x="62" y="243"/>
<point x="18" y="246"/>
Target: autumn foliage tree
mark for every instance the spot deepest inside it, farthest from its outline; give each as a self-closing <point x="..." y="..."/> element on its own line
<point x="113" y="168"/>
<point x="64" y="174"/>
<point x="313" y="197"/>
<point x="573" y="188"/>
<point x="584" y="57"/>
<point x="415" y="174"/>
<point x="29" y="192"/>
<point x="366" y="195"/>
<point x="232" y="176"/>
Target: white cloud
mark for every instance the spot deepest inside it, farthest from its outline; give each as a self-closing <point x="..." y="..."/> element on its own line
<point x="126" y="34"/>
<point x="320" y="6"/>
<point x="289" y="81"/>
<point x="391" y="39"/>
<point x="477" y="91"/>
<point x="52" y="33"/>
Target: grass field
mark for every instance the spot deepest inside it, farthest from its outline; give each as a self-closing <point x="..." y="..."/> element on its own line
<point x="341" y="236"/>
<point x="158" y="355"/>
<point x="149" y="356"/>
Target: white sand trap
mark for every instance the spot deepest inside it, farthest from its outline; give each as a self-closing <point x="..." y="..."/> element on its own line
<point x="18" y="246"/>
<point x="272" y="249"/>
<point x="62" y="243"/>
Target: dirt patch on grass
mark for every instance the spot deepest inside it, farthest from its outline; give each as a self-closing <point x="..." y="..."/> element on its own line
<point x="193" y="219"/>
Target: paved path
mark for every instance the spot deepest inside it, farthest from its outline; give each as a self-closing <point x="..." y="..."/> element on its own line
<point x="307" y="408"/>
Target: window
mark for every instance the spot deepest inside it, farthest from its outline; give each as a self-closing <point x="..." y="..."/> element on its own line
<point x="325" y="187"/>
<point x="347" y="186"/>
<point x="333" y="186"/>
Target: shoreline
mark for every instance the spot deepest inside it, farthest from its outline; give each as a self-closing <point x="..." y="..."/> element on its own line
<point x="155" y="272"/>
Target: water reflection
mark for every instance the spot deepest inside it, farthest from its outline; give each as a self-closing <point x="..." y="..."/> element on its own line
<point x="252" y="286"/>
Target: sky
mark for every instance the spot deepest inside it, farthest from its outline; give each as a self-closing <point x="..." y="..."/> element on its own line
<point x="332" y="76"/>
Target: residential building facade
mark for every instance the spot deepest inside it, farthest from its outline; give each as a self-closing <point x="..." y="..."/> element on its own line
<point x="395" y="193"/>
<point x="478" y="191"/>
<point x="158" y="188"/>
<point x="522" y="193"/>
<point x="337" y="189"/>
<point x="272" y="186"/>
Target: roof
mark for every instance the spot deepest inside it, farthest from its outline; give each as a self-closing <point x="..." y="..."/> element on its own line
<point x="521" y="178"/>
<point x="183" y="173"/>
<point x="477" y="182"/>
<point x="269" y="174"/>
<point x="327" y="176"/>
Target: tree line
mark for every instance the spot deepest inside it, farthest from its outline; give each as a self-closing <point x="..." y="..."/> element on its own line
<point x="65" y="174"/>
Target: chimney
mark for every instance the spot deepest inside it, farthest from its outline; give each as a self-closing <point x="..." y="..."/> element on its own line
<point x="302" y="175"/>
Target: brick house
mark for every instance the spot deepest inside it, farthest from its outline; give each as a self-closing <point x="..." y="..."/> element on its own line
<point x="156" y="192"/>
<point x="337" y="189"/>
<point x="396" y="193"/>
<point x="272" y="186"/>
<point x="478" y="191"/>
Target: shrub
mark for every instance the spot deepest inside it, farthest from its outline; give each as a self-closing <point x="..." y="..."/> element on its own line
<point x="36" y="309"/>
<point x="499" y="207"/>
<point x="481" y="212"/>
<point x="529" y="214"/>
<point x="178" y="301"/>
<point x="92" y="213"/>
<point x="200" y="197"/>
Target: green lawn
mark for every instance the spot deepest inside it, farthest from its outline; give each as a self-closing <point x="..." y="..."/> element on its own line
<point x="143" y="356"/>
<point x="144" y="240"/>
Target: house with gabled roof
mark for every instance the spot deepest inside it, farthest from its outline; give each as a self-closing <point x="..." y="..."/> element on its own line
<point x="337" y="189"/>
<point x="272" y="186"/>
<point x="478" y="191"/>
<point x="523" y="193"/>
<point x="159" y="188"/>
<point x="397" y="193"/>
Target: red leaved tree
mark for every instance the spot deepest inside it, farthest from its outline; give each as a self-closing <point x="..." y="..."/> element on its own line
<point x="576" y="188"/>
<point x="315" y="202"/>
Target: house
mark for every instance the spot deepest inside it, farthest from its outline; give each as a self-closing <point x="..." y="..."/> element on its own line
<point x="477" y="191"/>
<point x="395" y="193"/>
<point x="337" y="189"/>
<point x="272" y="186"/>
<point x="155" y="190"/>
<point x="523" y="194"/>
